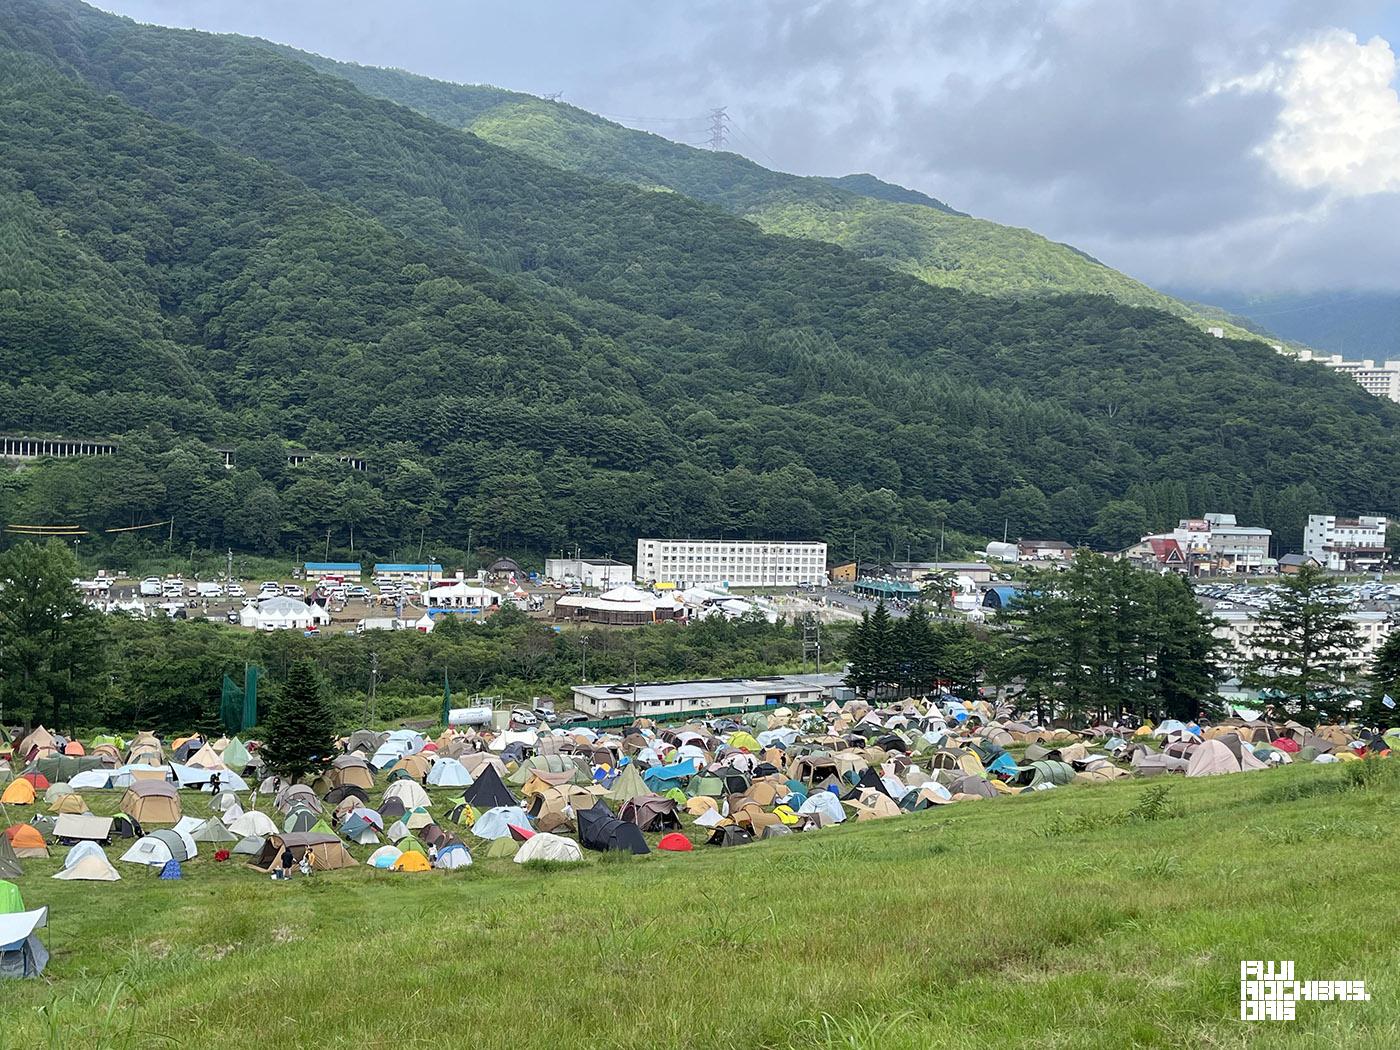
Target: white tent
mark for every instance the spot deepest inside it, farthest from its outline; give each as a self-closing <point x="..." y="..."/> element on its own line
<point x="87" y="863"/>
<point x="253" y="823"/>
<point x="384" y="857"/>
<point x="544" y="846"/>
<point x="454" y="855"/>
<point x="147" y="850"/>
<point x="826" y="804"/>
<point x="409" y="792"/>
<point x="448" y="772"/>
<point x="283" y="614"/>
<point x="91" y="778"/>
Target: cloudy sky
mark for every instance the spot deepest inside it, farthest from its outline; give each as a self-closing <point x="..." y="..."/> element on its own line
<point x="1249" y="145"/>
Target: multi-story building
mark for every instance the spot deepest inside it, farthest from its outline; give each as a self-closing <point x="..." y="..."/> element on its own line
<point x="1215" y="543"/>
<point x="658" y="699"/>
<point x="1382" y="380"/>
<point x="1236" y="627"/>
<point x="736" y="563"/>
<point x="1346" y="544"/>
<point x="601" y="573"/>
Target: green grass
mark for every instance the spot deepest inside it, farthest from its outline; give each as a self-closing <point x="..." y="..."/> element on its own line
<point x="972" y="925"/>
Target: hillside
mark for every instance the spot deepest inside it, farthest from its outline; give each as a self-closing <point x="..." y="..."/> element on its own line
<point x="224" y="248"/>
<point x="1355" y="324"/>
<point x="894" y="226"/>
<point x="1039" y="920"/>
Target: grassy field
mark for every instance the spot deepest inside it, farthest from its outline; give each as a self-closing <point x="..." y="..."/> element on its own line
<point x="1080" y="917"/>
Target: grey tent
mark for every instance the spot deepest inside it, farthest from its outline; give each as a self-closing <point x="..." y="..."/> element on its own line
<point x="488" y="791"/>
<point x="10" y="867"/>
<point x="213" y="830"/>
<point x="22" y="954"/>
<point x="250" y="844"/>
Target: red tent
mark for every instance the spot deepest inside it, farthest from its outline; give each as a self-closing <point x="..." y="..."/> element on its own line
<point x="675" y="842"/>
<point x="39" y="781"/>
<point x="1286" y="743"/>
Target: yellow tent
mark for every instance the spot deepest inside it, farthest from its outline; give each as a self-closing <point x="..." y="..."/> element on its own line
<point x="72" y="803"/>
<point x="19" y="793"/>
<point x="411" y="860"/>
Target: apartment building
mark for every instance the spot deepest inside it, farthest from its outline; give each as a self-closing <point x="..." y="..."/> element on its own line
<point x="736" y="563"/>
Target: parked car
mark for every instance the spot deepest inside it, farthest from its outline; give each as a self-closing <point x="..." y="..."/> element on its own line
<point x="209" y="590"/>
<point x="269" y="588"/>
<point x="568" y="718"/>
<point x="293" y="590"/>
<point x="357" y="591"/>
<point x="151" y="587"/>
<point x="174" y="588"/>
<point x="236" y="590"/>
<point x="523" y="717"/>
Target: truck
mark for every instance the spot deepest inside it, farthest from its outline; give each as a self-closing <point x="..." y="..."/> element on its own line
<point x="380" y="623"/>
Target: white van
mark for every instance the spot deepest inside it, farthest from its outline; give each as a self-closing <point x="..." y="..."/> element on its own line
<point x="173" y="588"/>
<point x="209" y="590"/>
<point x="151" y="587"/>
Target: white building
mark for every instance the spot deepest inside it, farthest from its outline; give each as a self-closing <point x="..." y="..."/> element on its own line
<point x="1236" y="626"/>
<point x="460" y="593"/>
<point x="1382" y="380"/>
<point x="649" y="700"/>
<point x="1346" y="544"/>
<point x="601" y="573"/>
<point x="735" y="563"/>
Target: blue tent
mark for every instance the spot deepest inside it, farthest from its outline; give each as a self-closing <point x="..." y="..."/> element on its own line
<point x="664" y="778"/>
<point x="171" y="869"/>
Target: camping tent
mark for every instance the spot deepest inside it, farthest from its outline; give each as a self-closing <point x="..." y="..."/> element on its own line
<point x="87" y="862"/>
<point x="600" y="829"/>
<point x="10" y="867"/>
<point x="18" y="793"/>
<point x="253" y="823"/>
<point x="330" y="853"/>
<point x="27" y="841"/>
<point x="544" y="846"/>
<point x="448" y="772"/>
<point x="22" y="954"/>
<point x="409" y="793"/>
<point x="1222" y="755"/>
<point x="152" y="802"/>
<point x="488" y="790"/>
<point x="453" y="855"/>
<point x="213" y="830"/>
<point x="495" y="822"/>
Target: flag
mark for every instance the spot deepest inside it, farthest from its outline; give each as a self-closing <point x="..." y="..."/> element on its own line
<point x="1388" y="701"/>
<point x="251" y="674"/>
<point x="446" y="698"/>
<point x="231" y="706"/>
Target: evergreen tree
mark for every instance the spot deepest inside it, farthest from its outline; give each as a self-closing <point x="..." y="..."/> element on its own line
<point x="300" y="727"/>
<point x="51" y="644"/>
<point x="1385" y="681"/>
<point x="883" y="653"/>
<point x="861" y="675"/>
<point x="1184" y="653"/>
<point x="1304" y="647"/>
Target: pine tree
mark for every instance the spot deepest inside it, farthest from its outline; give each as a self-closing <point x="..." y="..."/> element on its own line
<point x="884" y="656"/>
<point x="300" y="727"/>
<point x="861" y="675"/>
<point x="1304" y="647"/>
<point x="1385" y="681"/>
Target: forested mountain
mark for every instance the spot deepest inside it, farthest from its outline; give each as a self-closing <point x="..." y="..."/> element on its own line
<point x="897" y="227"/>
<point x="1355" y="324"/>
<point x="208" y="244"/>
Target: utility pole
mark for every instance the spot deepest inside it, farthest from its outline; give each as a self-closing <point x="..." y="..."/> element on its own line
<point x="719" y="121"/>
<point x="373" y="678"/>
<point x="228" y="572"/>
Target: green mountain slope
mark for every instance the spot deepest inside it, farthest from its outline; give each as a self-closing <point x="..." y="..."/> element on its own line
<point x="527" y="357"/>
<point x="897" y="227"/>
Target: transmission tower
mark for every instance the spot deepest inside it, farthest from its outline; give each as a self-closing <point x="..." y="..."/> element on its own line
<point x="812" y="641"/>
<point x="719" y="127"/>
<point x="554" y="96"/>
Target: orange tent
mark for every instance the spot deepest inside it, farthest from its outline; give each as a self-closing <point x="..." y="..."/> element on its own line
<point x="412" y="860"/>
<point x="18" y="793"/>
<point x="27" y="841"/>
<point x="74" y="748"/>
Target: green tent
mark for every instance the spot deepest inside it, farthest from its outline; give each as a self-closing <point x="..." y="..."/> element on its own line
<point x="411" y="845"/>
<point x="10" y="899"/>
<point x="628" y="785"/>
<point x="322" y="828"/>
<point x="502" y="848"/>
<point x="236" y="756"/>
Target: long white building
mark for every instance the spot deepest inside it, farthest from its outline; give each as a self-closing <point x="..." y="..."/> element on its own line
<point x="1382" y="380"/>
<point x="1237" y="626"/>
<point x="736" y="563"/>
<point x="1346" y="544"/>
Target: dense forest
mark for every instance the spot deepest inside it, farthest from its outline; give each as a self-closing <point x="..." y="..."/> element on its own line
<point x="207" y="246"/>
<point x="897" y="227"/>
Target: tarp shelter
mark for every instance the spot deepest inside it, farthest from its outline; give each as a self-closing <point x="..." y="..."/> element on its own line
<point x="27" y="841"/>
<point x="72" y="827"/>
<point x="22" y="954"/>
<point x="488" y="790"/>
<point x="545" y="846"/>
<point x="88" y="863"/>
<point x="329" y="851"/>
<point x="600" y="829"/>
<point x="152" y="802"/>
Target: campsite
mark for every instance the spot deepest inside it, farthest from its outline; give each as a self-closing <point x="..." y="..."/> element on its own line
<point x="1126" y="900"/>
